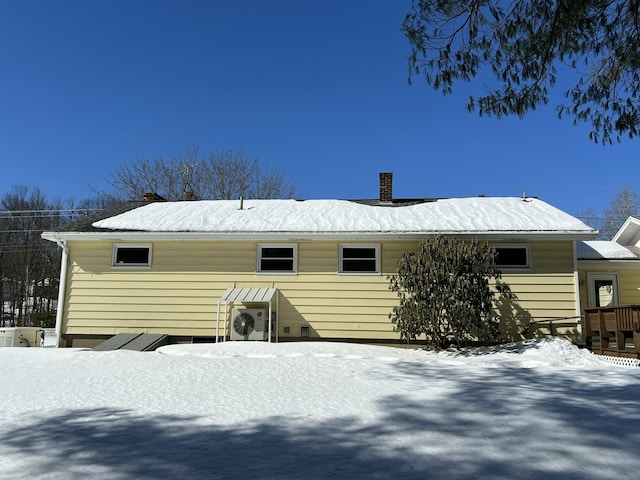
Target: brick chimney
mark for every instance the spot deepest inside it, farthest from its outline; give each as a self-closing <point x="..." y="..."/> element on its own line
<point x="152" y="197"/>
<point x="386" y="187"/>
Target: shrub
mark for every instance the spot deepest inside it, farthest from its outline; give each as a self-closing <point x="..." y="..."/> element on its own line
<point x="446" y="294"/>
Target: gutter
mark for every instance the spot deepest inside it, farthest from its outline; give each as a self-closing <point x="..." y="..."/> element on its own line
<point x="123" y="236"/>
<point x="576" y="282"/>
<point x="62" y="287"/>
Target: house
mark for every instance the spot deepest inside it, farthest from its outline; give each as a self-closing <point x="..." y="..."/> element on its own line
<point x="609" y="279"/>
<point x="609" y="271"/>
<point x="313" y="269"/>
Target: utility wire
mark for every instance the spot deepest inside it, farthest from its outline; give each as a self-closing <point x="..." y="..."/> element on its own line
<point x="49" y="210"/>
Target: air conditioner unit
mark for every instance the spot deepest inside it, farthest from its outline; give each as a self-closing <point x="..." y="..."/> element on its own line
<point x="249" y="324"/>
<point x="20" y="337"/>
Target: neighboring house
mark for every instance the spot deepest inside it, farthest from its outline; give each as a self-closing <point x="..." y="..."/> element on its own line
<point x="609" y="278"/>
<point x="610" y="270"/>
<point x="318" y="268"/>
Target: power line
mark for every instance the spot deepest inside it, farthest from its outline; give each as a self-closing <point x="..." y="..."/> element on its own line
<point x="39" y="230"/>
<point x="25" y="214"/>
<point x="55" y="210"/>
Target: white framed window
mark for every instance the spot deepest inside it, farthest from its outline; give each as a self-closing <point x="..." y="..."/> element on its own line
<point x="359" y="259"/>
<point x="513" y="256"/>
<point x="131" y="256"/>
<point x="277" y="258"/>
<point x="603" y="290"/>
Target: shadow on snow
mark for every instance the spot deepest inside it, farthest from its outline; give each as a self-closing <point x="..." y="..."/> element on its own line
<point x="525" y="423"/>
<point x="490" y="423"/>
<point x="119" y="444"/>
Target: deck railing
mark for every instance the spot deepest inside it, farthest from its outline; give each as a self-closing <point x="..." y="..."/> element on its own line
<point x="613" y="330"/>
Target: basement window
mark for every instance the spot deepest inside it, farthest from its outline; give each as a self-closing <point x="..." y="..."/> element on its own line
<point x="513" y="256"/>
<point x="359" y="259"/>
<point x="277" y="258"/>
<point x="131" y="256"/>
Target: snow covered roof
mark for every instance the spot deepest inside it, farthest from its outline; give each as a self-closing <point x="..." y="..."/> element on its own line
<point x="271" y="219"/>
<point x="604" y="250"/>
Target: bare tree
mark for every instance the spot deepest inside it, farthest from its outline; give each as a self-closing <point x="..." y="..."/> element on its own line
<point x="223" y="175"/>
<point x="623" y="205"/>
<point x="29" y="266"/>
<point x="591" y="218"/>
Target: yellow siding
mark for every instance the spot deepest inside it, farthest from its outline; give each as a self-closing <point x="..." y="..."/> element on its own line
<point x="630" y="287"/>
<point x="179" y="294"/>
<point x="628" y="280"/>
<point x="546" y="291"/>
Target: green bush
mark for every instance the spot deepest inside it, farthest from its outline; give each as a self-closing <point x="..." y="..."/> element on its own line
<point x="446" y="294"/>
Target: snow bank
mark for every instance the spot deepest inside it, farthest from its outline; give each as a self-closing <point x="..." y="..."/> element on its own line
<point x="551" y="352"/>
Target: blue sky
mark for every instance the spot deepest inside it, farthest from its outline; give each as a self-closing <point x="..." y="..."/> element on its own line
<point x="317" y="89"/>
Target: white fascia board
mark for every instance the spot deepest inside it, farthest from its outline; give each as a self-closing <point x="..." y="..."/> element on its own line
<point x="608" y="264"/>
<point x="629" y="229"/>
<point x="294" y="236"/>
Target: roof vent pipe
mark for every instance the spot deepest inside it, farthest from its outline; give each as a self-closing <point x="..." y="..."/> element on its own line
<point x="241" y="202"/>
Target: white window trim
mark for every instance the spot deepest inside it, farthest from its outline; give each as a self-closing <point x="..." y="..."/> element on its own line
<point x="114" y="255"/>
<point x="375" y="246"/>
<point x="525" y="246"/>
<point x="591" y="287"/>
<point x="259" y="248"/>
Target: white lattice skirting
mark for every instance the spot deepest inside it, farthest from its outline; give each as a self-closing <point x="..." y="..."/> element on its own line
<point x="622" y="361"/>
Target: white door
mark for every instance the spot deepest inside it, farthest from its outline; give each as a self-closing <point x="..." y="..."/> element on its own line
<point x="603" y="289"/>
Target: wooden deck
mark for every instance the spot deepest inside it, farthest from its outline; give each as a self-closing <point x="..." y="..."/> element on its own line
<point x="613" y="331"/>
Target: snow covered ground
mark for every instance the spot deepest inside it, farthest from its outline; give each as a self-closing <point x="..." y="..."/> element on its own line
<point x="535" y="410"/>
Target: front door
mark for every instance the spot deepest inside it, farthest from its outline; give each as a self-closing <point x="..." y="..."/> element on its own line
<point x="603" y="289"/>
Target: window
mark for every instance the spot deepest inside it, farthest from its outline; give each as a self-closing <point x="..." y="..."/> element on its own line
<point x="603" y="289"/>
<point x="131" y="256"/>
<point x="277" y="258"/>
<point x="359" y="259"/>
<point x="512" y="256"/>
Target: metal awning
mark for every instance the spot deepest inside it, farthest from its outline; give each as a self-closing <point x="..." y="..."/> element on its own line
<point x="248" y="295"/>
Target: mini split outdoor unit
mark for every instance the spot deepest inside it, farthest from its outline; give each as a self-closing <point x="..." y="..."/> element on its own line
<point x="20" y="337"/>
<point x="249" y="324"/>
